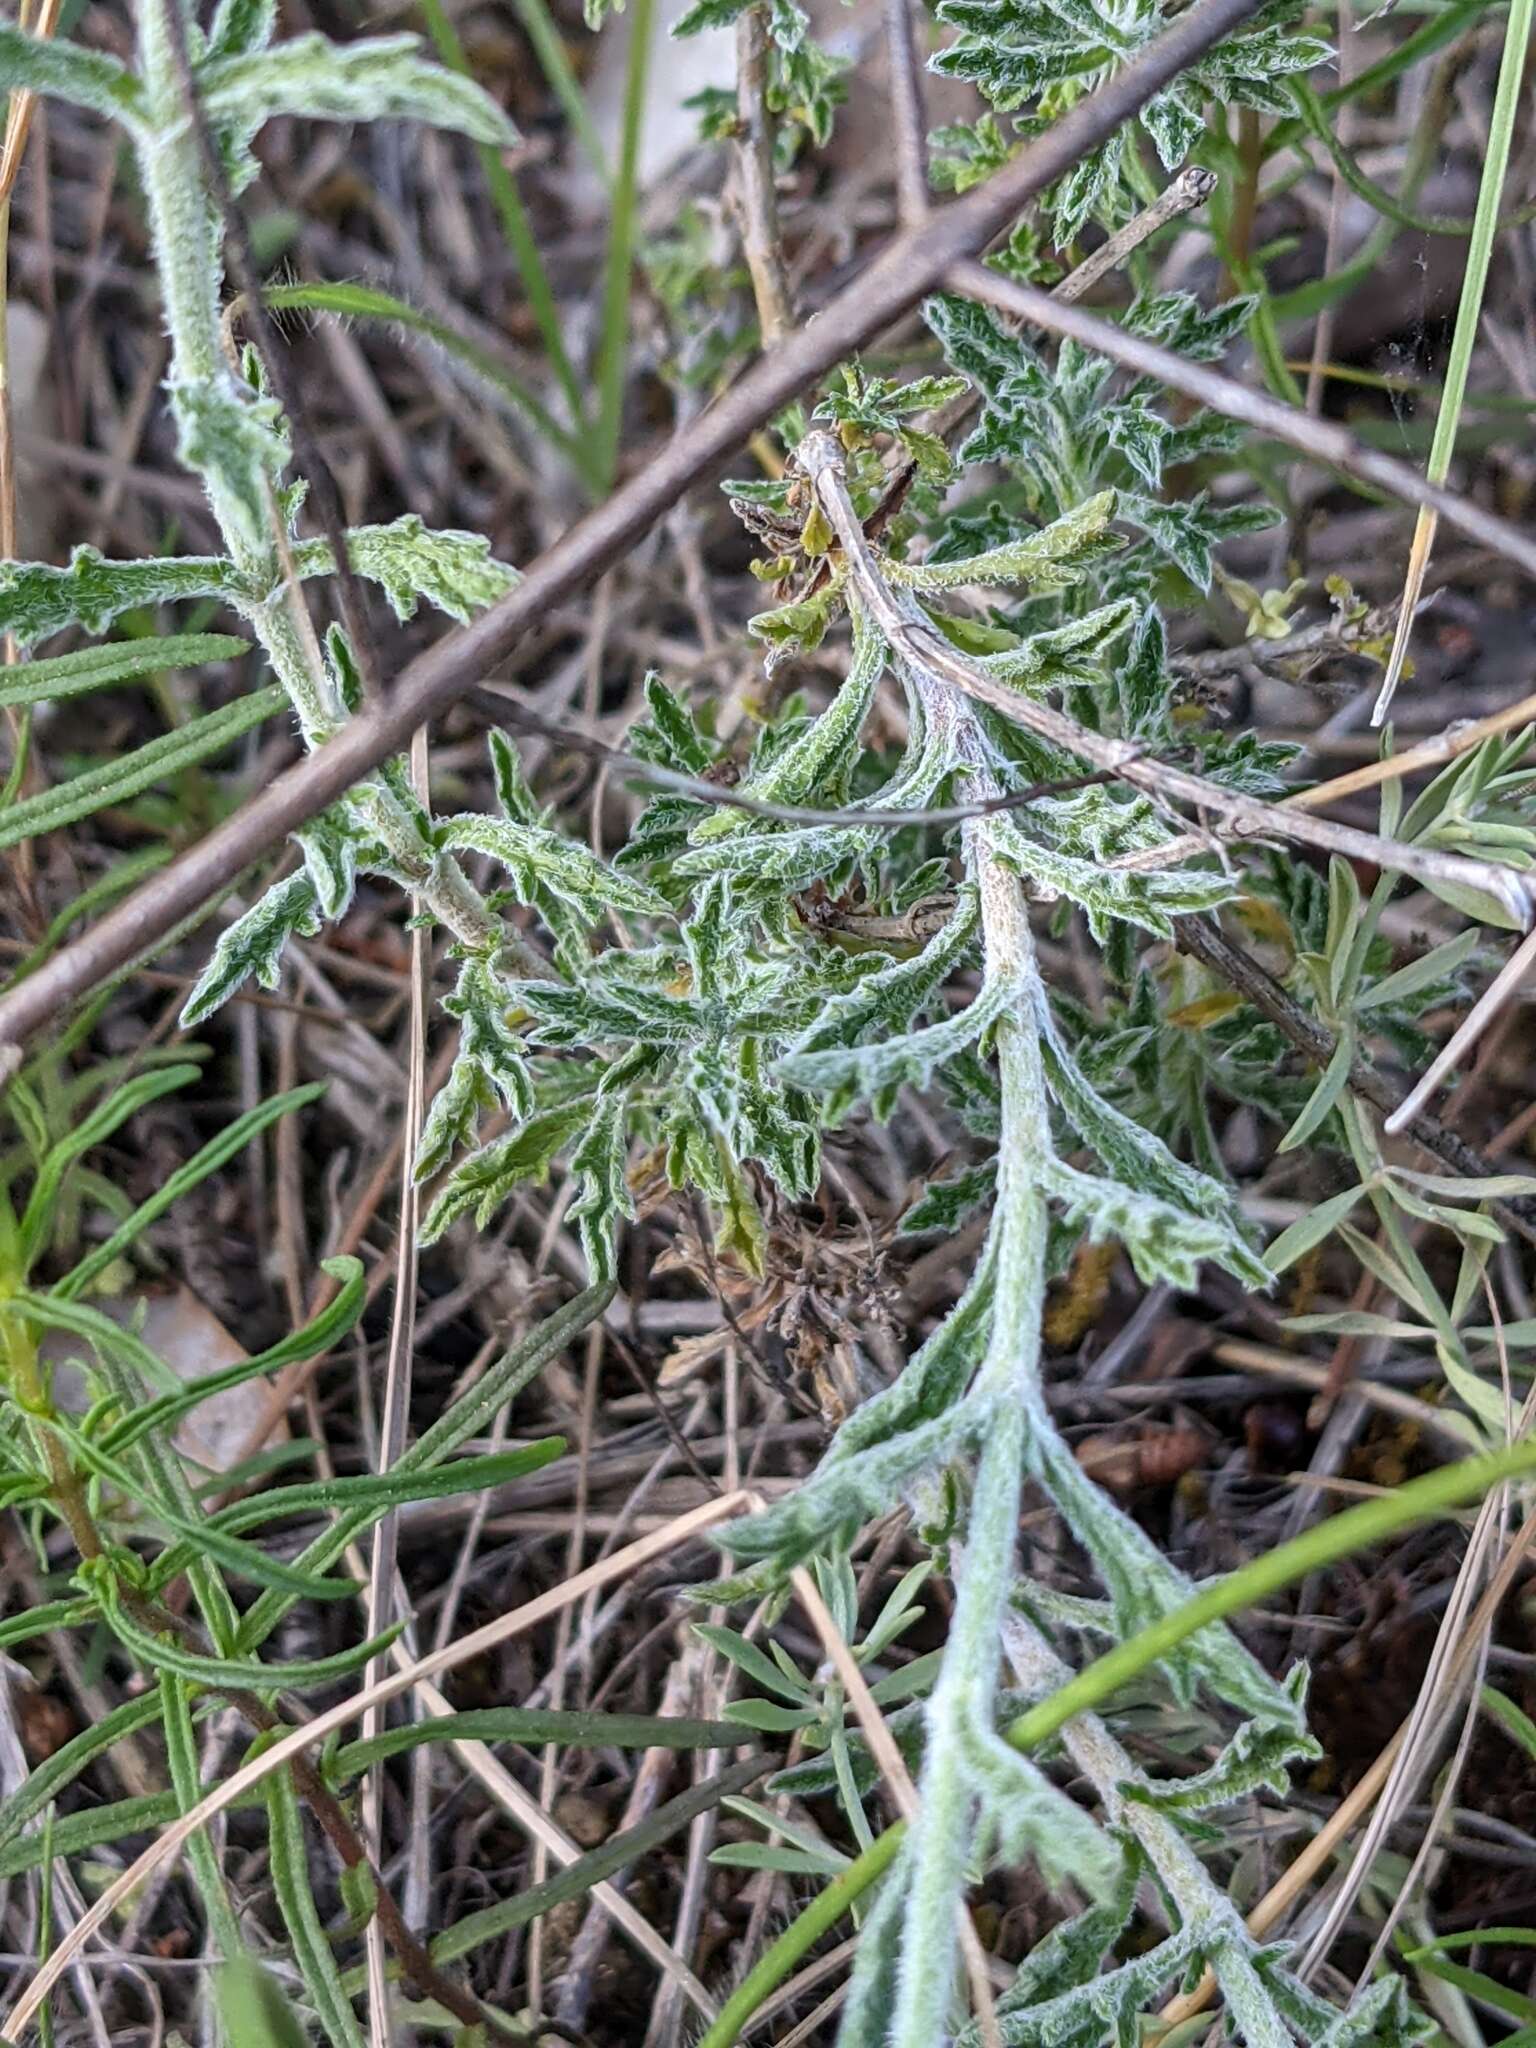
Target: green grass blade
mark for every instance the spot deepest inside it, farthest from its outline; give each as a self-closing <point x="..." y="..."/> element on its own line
<point x="1485" y="224"/>
<point x="1484" y="1989"/>
<point x="1355" y="1529"/>
<point x="599" y="1863"/>
<point x="366" y="302"/>
<point x="333" y="1322"/>
<point x="613" y="346"/>
<point x="118" y="661"/>
<point x="1502" y="1937"/>
<point x="514" y="222"/>
<point x="539" y="26"/>
<point x="1515" y="1722"/>
<point x="181" y="1755"/>
<point x="531" y="1726"/>
<point x="301" y="1916"/>
<point x="511" y="1372"/>
<point x="114" y="782"/>
<point x="232" y="1139"/>
<point x="51" y="1776"/>
<point x="801" y="1936"/>
<point x="162" y="1653"/>
<point x="122" y="876"/>
<point x="95" y="1129"/>
<point x="1376" y="196"/>
<point x="1431" y="35"/>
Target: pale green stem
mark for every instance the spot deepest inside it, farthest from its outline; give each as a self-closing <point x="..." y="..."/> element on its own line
<point x="1357" y="1528"/>
<point x="186" y="235"/>
<point x="613" y="349"/>
<point x="1109" y="1768"/>
<point x="963" y="1695"/>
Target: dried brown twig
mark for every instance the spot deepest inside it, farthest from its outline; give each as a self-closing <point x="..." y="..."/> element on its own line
<point x="936" y="251"/>
<point x="920" y="644"/>
<point x="757" y="198"/>
<point x="1203" y="939"/>
<point x="907" y="115"/>
<point x="1320" y="439"/>
<point x="297" y="1741"/>
<point x="913" y="263"/>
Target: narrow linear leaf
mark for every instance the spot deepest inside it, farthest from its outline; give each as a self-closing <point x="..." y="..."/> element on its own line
<point x="114" y="782"/>
<point x="120" y="661"/>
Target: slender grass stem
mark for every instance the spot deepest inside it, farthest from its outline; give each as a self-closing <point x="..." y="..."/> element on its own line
<point x="1438" y="1493"/>
<point x="513" y="215"/>
<point x="539" y="26"/>
<point x="613" y="343"/>
<point x="348" y="301"/>
<point x="1485" y="224"/>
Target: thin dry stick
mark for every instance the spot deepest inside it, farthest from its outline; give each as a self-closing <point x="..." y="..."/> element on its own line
<point x="477" y="1643"/>
<point x="1319" y="1852"/>
<point x="1204" y="939"/>
<point x="397" y="1407"/>
<point x="757" y="195"/>
<point x="528" y="1815"/>
<point x="919" y="643"/>
<point x="1191" y="188"/>
<point x="1451" y="1778"/>
<point x="912" y="264"/>
<point x="893" y="1769"/>
<point x="907" y="114"/>
<point x="1466" y="1035"/>
<point x="1319" y="439"/>
<point x="549" y="1766"/>
<point x="652" y="1774"/>
<point x="525" y="1813"/>
<point x="1442" y="1682"/>
<point x="1458" y="738"/>
<point x="1305" y="1372"/>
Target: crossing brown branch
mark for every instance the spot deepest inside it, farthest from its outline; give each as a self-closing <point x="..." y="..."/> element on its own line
<point x="916" y="261"/>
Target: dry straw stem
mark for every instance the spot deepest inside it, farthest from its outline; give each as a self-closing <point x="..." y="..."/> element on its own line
<point x="907" y="112"/>
<point x="1467" y="1033"/>
<point x="920" y="644"/>
<point x="397" y="1402"/>
<point x="913" y="263"/>
<point x="298" y="1740"/>
<point x="1191" y="188"/>
<point x="757" y="198"/>
<point x="1303" y="1372"/>
<point x="1319" y="439"/>
<point x="1324" y="1845"/>
<point x="526" y="1814"/>
<point x="898" y="1781"/>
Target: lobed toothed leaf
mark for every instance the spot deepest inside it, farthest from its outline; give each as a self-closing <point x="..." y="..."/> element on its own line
<point x="253" y="945"/>
<point x="381" y="78"/>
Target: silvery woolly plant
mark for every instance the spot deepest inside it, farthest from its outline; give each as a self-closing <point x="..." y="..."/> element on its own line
<point x="230" y="431"/>
<point x="729" y="1034"/>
